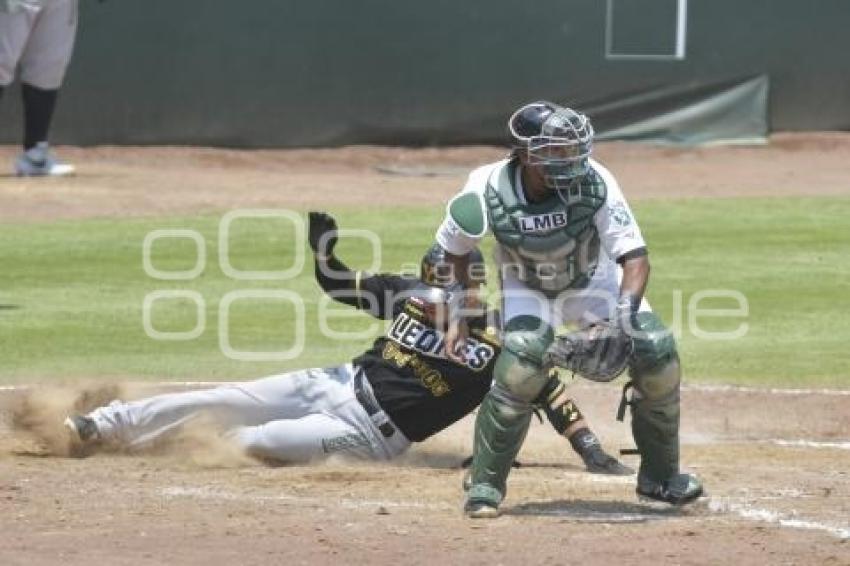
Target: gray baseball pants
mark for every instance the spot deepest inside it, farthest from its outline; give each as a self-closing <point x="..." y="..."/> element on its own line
<point x="293" y="417"/>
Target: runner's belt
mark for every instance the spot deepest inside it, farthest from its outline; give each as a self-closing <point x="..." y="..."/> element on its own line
<point x="367" y="399"/>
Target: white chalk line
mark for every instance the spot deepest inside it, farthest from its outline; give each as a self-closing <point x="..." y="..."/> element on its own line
<point x="723" y="506"/>
<point x="705" y="388"/>
<point x="586" y="515"/>
<point x="807" y="444"/>
<point x="596" y="478"/>
<point x="761" y="515"/>
<point x="583" y="515"/>
<point x="697" y="439"/>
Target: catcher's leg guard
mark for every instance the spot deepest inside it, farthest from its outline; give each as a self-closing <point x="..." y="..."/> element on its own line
<point x="505" y="413"/>
<point x="656" y="375"/>
<point x="500" y="429"/>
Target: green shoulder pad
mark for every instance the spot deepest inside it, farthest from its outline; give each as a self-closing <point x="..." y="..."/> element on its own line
<point x="467" y="210"/>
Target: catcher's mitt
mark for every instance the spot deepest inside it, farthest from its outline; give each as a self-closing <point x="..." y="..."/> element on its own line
<point x="599" y="353"/>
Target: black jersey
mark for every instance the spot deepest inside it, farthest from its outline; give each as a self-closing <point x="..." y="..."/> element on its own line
<point x="420" y="389"/>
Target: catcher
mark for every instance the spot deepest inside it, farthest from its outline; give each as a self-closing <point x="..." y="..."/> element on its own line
<point x="569" y="251"/>
<point x="351" y="287"/>
<point x="401" y="390"/>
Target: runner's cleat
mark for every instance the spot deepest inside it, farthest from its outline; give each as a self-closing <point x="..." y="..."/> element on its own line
<point x="82" y="429"/>
<point x="597" y="461"/>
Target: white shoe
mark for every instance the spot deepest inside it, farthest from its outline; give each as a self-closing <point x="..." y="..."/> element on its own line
<point x="38" y="162"/>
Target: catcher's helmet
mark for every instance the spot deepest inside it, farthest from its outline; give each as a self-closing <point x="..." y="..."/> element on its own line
<point x="556" y="139"/>
<point x="435" y="269"/>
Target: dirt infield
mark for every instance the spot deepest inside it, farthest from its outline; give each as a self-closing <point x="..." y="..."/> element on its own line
<point x="775" y="465"/>
<point x="157" y="181"/>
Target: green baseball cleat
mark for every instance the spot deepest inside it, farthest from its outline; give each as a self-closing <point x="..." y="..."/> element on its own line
<point x="480" y="509"/>
<point x="482" y="502"/>
<point x="681" y="489"/>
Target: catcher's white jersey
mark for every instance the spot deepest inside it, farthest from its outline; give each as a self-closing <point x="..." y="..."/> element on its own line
<point x="39" y="36"/>
<point x="614" y="221"/>
<point x="618" y="233"/>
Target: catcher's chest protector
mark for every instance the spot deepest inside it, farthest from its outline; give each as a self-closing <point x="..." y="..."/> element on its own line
<point x="550" y="246"/>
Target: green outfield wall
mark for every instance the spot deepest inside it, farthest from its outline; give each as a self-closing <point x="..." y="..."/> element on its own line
<point x="285" y="73"/>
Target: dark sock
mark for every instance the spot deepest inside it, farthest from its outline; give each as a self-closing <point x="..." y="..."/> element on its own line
<point x="38" y="111"/>
<point x="583" y="441"/>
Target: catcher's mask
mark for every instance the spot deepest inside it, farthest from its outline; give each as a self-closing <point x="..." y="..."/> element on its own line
<point x="555" y="139"/>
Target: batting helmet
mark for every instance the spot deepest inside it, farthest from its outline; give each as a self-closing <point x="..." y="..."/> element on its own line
<point x="435" y="269"/>
<point x="440" y="292"/>
<point x="556" y="139"/>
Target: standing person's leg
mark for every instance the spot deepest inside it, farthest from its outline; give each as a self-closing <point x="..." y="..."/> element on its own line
<point x="655" y="380"/>
<point x="15" y="29"/>
<point x="43" y="65"/>
<point x="39" y="105"/>
<point x="655" y="405"/>
<point x="505" y="413"/>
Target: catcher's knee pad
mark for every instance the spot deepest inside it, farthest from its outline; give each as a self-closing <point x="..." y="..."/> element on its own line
<point x="500" y="429"/>
<point x="654" y="366"/>
<point x="519" y="368"/>
<point x="656" y="375"/>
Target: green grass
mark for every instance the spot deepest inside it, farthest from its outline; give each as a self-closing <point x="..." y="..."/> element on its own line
<point x="790" y="258"/>
<point x="71" y="296"/>
<point x="71" y="293"/>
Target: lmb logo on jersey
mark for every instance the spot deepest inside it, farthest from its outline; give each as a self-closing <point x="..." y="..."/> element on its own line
<point x="543" y="222"/>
